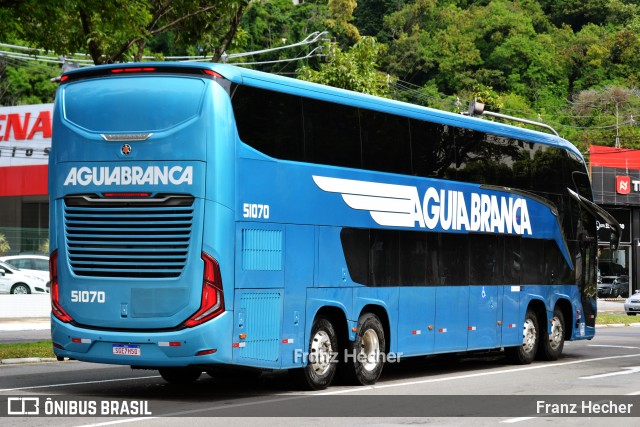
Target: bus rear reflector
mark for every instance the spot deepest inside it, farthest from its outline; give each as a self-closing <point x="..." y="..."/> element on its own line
<point x="212" y="302"/>
<point x="56" y="308"/>
<point x="205" y="352"/>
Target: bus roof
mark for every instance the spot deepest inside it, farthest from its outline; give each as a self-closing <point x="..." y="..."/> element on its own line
<point x="331" y="94"/>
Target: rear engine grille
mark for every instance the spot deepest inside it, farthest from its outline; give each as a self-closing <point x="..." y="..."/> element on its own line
<point x="128" y="238"/>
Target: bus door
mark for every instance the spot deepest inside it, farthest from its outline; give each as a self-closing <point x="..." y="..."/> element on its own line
<point x="484" y="307"/>
<point x="485" y="294"/>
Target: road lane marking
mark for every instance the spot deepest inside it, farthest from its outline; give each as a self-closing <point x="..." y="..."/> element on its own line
<point x="625" y="371"/>
<point x="612" y="346"/>
<point x="78" y="383"/>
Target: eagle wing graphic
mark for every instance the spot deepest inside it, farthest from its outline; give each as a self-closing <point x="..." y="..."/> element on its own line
<point x="389" y="204"/>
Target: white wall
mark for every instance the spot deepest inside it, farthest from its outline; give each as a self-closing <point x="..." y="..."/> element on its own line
<point x="34" y="305"/>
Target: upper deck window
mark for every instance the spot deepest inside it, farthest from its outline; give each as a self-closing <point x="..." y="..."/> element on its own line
<point x="132" y="103"/>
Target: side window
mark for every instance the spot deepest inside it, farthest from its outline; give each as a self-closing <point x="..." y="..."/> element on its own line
<point x="331" y="134"/>
<point x="533" y="272"/>
<point x="385" y="142"/>
<point x="41" y="264"/>
<point x="413" y="258"/>
<point x="454" y="259"/>
<point x="485" y="259"/>
<point x="355" y="245"/>
<point x="512" y="260"/>
<point x="432" y="149"/>
<point x="270" y="122"/>
<point x="384" y="257"/>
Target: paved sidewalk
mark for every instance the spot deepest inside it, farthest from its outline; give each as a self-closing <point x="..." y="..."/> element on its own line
<point x="25" y="323"/>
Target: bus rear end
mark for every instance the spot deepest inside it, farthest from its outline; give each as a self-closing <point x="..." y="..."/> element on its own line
<point x="141" y="169"/>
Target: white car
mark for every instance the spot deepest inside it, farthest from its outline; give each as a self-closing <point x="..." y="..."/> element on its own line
<point x="15" y="281"/>
<point x="632" y="304"/>
<point x="34" y="265"/>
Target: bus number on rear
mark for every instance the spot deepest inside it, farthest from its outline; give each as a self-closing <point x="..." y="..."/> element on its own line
<point x="88" y="296"/>
<point x="256" y="211"/>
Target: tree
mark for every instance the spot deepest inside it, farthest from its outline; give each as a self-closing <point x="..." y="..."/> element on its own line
<point x="341" y="12"/>
<point x="354" y="69"/>
<point x="275" y="23"/>
<point x="4" y="245"/>
<point x="118" y="30"/>
<point x="608" y="116"/>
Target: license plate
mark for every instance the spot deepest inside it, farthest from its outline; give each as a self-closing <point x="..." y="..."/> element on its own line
<point x="126" y="350"/>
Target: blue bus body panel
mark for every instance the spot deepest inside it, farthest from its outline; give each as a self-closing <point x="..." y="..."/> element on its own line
<point x="416" y="320"/>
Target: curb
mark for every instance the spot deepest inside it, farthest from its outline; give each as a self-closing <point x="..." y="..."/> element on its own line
<point x="27" y="360"/>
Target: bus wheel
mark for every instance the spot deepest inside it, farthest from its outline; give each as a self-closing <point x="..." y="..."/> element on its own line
<point x="551" y="346"/>
<point x="179" y="375"/>
<point x="321" y="364"/>
<point x="524" y="354"/>
<point x="366" y="360"/>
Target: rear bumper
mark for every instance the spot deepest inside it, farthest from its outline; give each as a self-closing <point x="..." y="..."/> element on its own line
<point x="157" y="349"/>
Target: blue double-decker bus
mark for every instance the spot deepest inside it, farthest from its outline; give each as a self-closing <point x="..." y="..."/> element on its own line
<point x="207" y="217"/>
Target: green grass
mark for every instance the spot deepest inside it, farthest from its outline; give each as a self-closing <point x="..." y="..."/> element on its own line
<point x="26" y="349"/>
<point x="608" y="319"/>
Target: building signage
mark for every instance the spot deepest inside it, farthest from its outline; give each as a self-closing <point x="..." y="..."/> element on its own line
<point x="623" y="184"/>
<point x="25" y="135"/>
<point x="624" y="218"/>
<point x="25" y="143"/>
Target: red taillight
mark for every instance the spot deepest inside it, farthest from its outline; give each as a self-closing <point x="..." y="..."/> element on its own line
<point x="56" y="309"/>
<point x="213" y="73"/>
<point x="133" y="70"/>
<point x="212" y="302"/>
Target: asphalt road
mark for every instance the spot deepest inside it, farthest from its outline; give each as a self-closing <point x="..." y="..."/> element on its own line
<point x="603" y="371"/>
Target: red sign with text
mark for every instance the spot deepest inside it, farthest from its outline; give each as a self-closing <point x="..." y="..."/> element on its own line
<point x="25" y="143"/>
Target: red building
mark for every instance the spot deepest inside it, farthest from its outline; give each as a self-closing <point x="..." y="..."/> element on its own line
<point x="25" y="142"/>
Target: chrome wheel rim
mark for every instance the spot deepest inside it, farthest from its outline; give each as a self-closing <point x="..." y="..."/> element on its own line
<point x="370" y="350"/>
<point x="529" y="336"/>
<point x="556" y="333"/>
<point x="320" y="355"/>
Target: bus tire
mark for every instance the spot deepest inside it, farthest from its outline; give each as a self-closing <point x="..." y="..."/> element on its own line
<point x="180" y="375"/>
<point x="525" y="353"/>
<point x="366" y="358"/>
<point x="551" y="345"/>
<point x="321" y="364"/>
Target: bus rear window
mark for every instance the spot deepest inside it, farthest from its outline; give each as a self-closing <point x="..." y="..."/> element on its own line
<point x="132" y="104"/>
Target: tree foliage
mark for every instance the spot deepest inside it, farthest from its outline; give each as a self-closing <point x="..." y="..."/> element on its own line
<point x="354" y="69"/>
<point x="535" y="59"/>
<point x="118" y="30"/>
